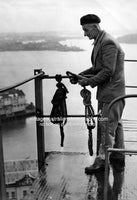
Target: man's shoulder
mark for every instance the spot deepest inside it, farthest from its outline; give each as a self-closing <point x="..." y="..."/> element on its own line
<point x="109" y="39"/>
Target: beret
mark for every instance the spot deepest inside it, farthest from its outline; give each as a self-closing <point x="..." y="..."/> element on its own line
<point x="89" y="19"/>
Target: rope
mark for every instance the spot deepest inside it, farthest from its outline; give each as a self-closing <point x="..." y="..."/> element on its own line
<point x="89" y="113"/>
<point x="59" y="110"/>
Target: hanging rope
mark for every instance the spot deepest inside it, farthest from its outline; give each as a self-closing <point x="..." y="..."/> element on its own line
<point x="89" y="114"/>
<point x="89" y="111"/>
<point x="59" y="110"/>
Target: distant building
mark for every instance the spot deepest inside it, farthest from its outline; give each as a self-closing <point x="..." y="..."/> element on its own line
<point x="13" y="104"/>
<point x="19" y="189"/>
<point x="19" y="177"/>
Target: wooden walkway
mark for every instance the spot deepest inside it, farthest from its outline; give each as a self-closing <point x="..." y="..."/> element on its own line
<point x="63" y="178"/>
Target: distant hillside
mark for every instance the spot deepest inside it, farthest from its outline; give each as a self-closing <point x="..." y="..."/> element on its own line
<point x="130" y="39"/>
<point x="34" y="42"/>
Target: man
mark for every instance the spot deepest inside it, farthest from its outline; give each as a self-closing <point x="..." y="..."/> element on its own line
<point x="107" y="73"/>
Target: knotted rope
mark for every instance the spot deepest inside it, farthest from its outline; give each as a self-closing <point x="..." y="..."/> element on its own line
<point x="89" y="116"/>
<point x="59" y="110"/>
<point x="89" y="111"/>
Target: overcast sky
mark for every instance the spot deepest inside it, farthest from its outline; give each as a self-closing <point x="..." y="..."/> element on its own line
<point x="118" y="16"/>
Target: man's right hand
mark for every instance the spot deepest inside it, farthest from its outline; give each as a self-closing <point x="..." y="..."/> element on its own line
<point x="74" y="79"/>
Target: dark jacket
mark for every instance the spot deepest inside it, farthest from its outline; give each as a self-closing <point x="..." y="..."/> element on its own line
<point x="108" y="68"/>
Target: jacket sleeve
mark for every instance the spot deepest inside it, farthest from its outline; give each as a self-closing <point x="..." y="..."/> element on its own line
<point x="89" y="71"/>
<point x="108" y="58"/>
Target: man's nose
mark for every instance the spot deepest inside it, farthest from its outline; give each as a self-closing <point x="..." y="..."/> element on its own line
<point x="85" y="34"/>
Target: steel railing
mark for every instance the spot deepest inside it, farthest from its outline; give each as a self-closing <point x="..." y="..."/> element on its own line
<point x="110" y="150"/>
<point x="38" y="77"/>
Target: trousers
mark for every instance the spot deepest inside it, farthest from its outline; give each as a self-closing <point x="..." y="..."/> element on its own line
<point x="114" y="136"/>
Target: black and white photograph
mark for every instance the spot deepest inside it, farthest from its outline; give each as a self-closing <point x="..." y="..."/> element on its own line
<point x="68" y="100"/>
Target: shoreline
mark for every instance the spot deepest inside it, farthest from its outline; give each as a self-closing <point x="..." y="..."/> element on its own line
<point x="18" y="116"/>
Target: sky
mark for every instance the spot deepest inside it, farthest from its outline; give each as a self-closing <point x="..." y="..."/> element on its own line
<point x="117" y="16"/>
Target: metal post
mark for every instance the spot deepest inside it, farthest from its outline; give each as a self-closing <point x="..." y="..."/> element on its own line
<point x="98" y="137"/>
<point x="106" y="158"/>
<point x="39" y="119"/>
<point x="98" y="129"/>
<point x="2" y="173"/>
<point x="106" y="175"/>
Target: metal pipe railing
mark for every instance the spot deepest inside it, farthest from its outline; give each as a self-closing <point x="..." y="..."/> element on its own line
<point x="2" y="173"/>
<point x="39" y="123"/>
<point x="43" y="76"/>
<point x="129" y="60"/>
<point x="38" y="75"/>
<point x="72" y="116"/>
<point x="127" y="151"/>
<point x="67" y="77"/>
<point x="21" y="83"/>
<point x="108" y="150"/>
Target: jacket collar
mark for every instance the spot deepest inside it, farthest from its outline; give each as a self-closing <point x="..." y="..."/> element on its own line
<point x="97" y="45"/>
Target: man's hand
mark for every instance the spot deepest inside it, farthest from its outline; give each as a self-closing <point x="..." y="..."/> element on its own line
<point x="83" y="81"/>
<point x="74" y="80"/>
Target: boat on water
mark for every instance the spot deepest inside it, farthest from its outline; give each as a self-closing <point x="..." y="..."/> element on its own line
<point x="13" y="105"/>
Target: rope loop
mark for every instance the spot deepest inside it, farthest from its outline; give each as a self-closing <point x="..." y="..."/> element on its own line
<point x="86" y="95"/>
<point x="72" y="77"/>
<point x="58" y="78"/>
<point x="89" y="116"/>
<point x="59" y="110"/>
<point x="89" y="111"/>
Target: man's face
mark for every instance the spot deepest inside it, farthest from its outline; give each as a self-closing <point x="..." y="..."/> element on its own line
<point x="89" y="31"/>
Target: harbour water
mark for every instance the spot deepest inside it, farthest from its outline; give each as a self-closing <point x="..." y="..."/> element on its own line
<point x="19" y="137"/>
